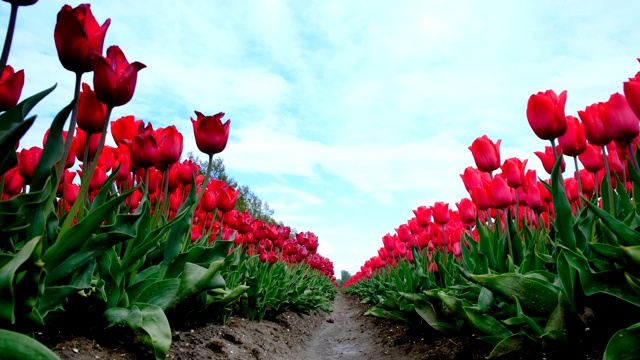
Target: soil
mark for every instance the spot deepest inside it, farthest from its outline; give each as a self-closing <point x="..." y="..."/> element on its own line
<point x="343" y="334"/>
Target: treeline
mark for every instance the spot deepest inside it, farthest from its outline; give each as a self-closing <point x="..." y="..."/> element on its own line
<point x="247" y="199"/>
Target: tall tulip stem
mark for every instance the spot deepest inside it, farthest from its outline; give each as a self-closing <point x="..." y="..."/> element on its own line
<point x="506" y="230"/>
<point x="575" y="164"/>
<point x="445" y="249"/>
<point x="632" y="155"/>
<point x="72" y="127"/>
<point x="206" y="179"/>
<point x="607" y="173"/>
<point x="9" y="37"/>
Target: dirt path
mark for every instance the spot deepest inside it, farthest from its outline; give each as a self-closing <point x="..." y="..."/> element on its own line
<point x="346" y="335"/>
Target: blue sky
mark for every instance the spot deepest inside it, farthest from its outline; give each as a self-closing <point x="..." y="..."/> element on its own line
<point x="346" y="115"/>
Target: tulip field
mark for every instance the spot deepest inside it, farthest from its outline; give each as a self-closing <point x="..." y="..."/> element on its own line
<point x="133" y="236"/>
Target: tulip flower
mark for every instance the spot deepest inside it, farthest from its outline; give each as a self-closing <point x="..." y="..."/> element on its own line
<point x="574" y="141"/>
<point x="593" y="118"/>
<point x="125" y="129"/>
<point x="473" y="177"/>
<point x="209" y="201"/>
<point x="186" y="171"/>
<point x="145" y="151"/>
<point x="440" y="212"/>
<point x="404" y="234"/>
<point x="632" y="93"/>
<point x="114" y="78"/>
<point x="27" y="161"/>
<point x="91" y="112"/>
<point x="622" y="124"/>
<point x="467" y="211"/>
<point x="513" y="171"/>
<point x="13" y="182"/>
<point x="486" y="154"/>
<point x="170" y="147"/>
<point x="545" y="112"/>
<point x="592" y="159"/>
<point x="548" y="159"/>
<point x="423" y="216"/>
<point x="227" y="198"/>
<point x="210" y="133"/>
<point x="11" y="84"/>
<point x="500" y="193"/>
<point x="480" y="198"/>
<point x="534" y="198"/>
<point x="77" y="36"/>
<point x="81" y="139"/>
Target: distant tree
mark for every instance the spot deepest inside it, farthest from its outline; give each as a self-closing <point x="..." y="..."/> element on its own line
<point x="344" y="275"/>
<point x="247" y="199"/>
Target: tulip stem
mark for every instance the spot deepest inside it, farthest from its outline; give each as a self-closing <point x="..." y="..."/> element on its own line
<point x="575" y="164"/>
<point x="607" y="173"/>
<point x="632" y="155"/>
<point x="206" y="179"/>
<point x="9" y="37"/>
<point x="507" y="231"/>
<point x="446" y="250"/>
<point x="72" y="128"/>
<point x="84" y="185"/>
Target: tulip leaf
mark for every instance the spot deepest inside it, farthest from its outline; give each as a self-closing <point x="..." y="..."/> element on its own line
<point x="533" y="292"/>
<point x="148" y="322"/>
<point x="8" y="140"/>
<point x="632" y="253"/>
<point x="625" y="235"/>
<point x="508" y="345"/>
<point x="174" y="242"/>
<point x="8" y="280"/>
<point x="486" y="323"/>
<point x="624" y="344"/>
<point x="20" y="111"/>
<point x="16" y="346"/>
<point x="160" y="293"/>
<point x="611" y="252"/>
<point x="52" y="151"/>
<point x="562" y="207"/>
<point x="427" y="312"/>
<point x="14" y="212"/>
<point x="200" y="255"/>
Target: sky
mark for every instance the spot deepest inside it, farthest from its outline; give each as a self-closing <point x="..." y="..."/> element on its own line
<point x="347" y="115"/>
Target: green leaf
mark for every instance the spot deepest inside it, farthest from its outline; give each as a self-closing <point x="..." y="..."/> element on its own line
<point x="624" y="344"/>
<point x="52" y="151"/>
<point x="148" y="322"/>
<point x="535" y="294"/>
<point x="16" y="346"/>
<point x="562" y="208"/>
<point x="195" y="279"/>
<point x="486" y="323"/>
<point x="8" y="279"/>
<point x="160" y="293"/>
<point x="626" y="236"/>
<point x="20" y="111"/>
<point x="556" y="327"/>
<point x="179" y="229"/>
<point x="8" y="140"/>
<point x="508" y="345"/>
<point x="632" y="253"/>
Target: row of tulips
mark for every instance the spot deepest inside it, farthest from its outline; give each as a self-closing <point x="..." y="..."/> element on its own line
<point x="135" y="237"/>
<point x="529" y="262"/>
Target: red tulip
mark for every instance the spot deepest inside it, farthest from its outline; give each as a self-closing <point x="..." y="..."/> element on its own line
<point x="98" y="179"/>
<point x="71" y="192"/>
<point x="27" y="161"/>
<point x="473" y="177"/>
<point x="209" y="200"/>
<point x="125" y="129"/>
<point x="480" y="197"/>
<point x="170" y="147"/>
<point x="574" y="141"/>
<point x="588" y="182"/>
<point x="486" y="154"/>
<point x="592" y="159"/>
<point x="11" y="84"/>
<point x="500" y="193"/>
<point x="440" y="213"/>
<point x="622" y="123"/>
<point x="144" y="150"/>
<point x="593" y="118"/>
<point x="548" y="159"/>
<point x="13" y="182"/>
<point x="91" y="112"/>
<point x="186" y="171"/>
<point x="513" y="172"/>
<point x="632" y="93"/>
<point x="389" y="242"/>
<point x="467" y="211"/>
<point x="545" y="112"/>
<point x="81" y="138"/>
<point x="404" y="234"/>
<point x="77" y="35"/>
<point x="211" y="134"/>
<point x="534" y="198"/>
<point x="423" y="216"/>
<point x="227" y="198"/>
<point x="114" y="79"/>
<point x="272" y="257"/>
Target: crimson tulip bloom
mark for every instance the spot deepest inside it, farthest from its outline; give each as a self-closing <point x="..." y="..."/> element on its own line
<point x="574" y="141"/>
<point x="545" y="112"/>
<point x="170" y="147"/>
<point x="423" y="216"/>
<point x="91" y="112"/>
<point x="77" y="35"/>
<point x="98" y="179"/>
<point x="144" y="150"/>
<point x="534" y="198"/>
<point x="227" y="197"/>
<point x="186" y="171"/>
<point x="472" y="177"/>
<point x="81" y="139"/>
<point x="13" y="182"/>
<point x="486" y="154"/>
<point x="404" y="234"/>
<point x="211" y="134"/>
<point x="622" y="123"/>
<point x="467" y="211"/>
<point x="125" y="129"/>
<point x="11" y="84"/>
<point x="27" y="161"/>
<point x="632" y="93"/>
<point x="513" y="172"/>
<point x="548" y="159"/>
<point x="593" y="118"/>
<point x="440" y="212"/>
<point x="592" y="158"/>
<point x="480" y="197"/>
<point x="500" y="193"/>
<point x="114" y="79"/>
